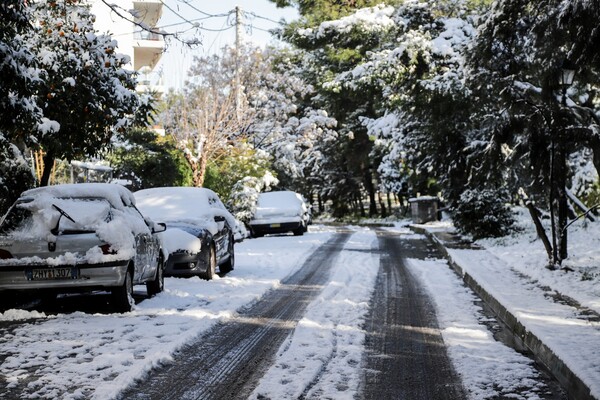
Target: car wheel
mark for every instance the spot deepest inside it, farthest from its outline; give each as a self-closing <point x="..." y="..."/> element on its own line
<point x="230" y="263"/>
<point x="299" y="231"/>
<point x="122" y="296"/>
<point x="157" y="285"/>
<point x="212" y="264"/>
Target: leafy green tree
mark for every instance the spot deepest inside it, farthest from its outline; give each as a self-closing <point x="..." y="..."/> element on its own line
<point x="532" y="123"/>
<point x="83" y="91"/>
<point x="336" y="38"/>
<point x="19" y="113"/>
<point x="236" y="163"/>
<point x="148" y="160"/>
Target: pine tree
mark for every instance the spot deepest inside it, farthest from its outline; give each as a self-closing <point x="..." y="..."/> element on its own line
<point x="533" y="123"/>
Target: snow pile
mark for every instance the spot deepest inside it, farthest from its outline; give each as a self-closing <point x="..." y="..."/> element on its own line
<point x="177" y="240"/>
<point x="371" y="19"/>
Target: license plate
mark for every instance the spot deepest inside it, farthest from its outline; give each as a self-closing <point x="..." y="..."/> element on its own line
<point x="275" y="225"/>
<point x="53" y="273"/>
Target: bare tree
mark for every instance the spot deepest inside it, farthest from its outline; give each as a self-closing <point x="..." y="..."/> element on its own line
<point x="204" y="123"/>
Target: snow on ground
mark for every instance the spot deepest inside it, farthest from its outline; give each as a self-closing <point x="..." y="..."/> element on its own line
<point x="488" y="368"/>
<point x="513" y="270"/>
<point x="516" y="275"/>
<point x="322" y="358"/>
<point x="100" y="355"/>
<point x="525" y="253"/>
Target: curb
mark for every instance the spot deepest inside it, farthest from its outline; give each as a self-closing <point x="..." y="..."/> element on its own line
<point x="574" y="386"/>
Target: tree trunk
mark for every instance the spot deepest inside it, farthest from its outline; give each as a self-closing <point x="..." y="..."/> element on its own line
<point x="382" y="205"/>
<point x="540" y="230"/>
<point x="561" y="184"/>
<point x="48" y="164"/>
<point x="201" y="172"/>
<point x="371" y="190"/>
<point x="320" y="201"/>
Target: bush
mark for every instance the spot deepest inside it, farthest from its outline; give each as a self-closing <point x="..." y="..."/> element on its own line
<point x="234" y="164"/>
<point x="483" y="213"/>
<point x="244" y="195"/>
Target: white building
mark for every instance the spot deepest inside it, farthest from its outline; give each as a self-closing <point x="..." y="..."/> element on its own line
<point x="143" y="47"/>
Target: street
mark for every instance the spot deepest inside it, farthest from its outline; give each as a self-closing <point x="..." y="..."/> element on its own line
<point x="347" y="319"/>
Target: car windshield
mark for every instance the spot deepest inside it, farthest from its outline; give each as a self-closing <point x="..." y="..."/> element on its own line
<point x="81" y="214"/>
<point x="278" y="200"/>
<point x="68" y="215"/>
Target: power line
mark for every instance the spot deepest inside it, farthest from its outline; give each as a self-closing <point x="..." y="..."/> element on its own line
<point x="188" y="3"/>
<point x="253" y="27"/>
<point x="206" y="15"/>
<point x="255" y="15"/>
<point x="176" y="13"/>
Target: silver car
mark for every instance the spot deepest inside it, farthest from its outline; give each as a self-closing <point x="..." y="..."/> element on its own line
<point x="80" y="237"/>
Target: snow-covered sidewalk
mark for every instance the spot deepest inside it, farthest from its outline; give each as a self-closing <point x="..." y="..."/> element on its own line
<point x="530" y="299"/>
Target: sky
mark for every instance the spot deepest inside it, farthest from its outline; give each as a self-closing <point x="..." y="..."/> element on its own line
<point x="215" y="30"/>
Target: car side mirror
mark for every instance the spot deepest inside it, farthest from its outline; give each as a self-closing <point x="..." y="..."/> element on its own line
<point x="159" y="227"/>
<point x="219" y="218"/>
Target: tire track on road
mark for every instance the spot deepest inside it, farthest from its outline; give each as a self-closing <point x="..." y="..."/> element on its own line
<point x="405" y="355"/>
<point x="228" y="361"/>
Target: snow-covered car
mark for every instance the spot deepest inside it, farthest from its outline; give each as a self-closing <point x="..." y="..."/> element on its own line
<point x="201" y="232"/>
<point x="280" y="212"/>
<point x="80" y="237"/>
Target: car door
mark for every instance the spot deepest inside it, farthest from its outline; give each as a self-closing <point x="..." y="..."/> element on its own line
<point x="222" y="236"/>
<point x="145" y="258"/>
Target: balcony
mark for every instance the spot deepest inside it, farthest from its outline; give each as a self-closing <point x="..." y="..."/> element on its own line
<point x="147" y="46"/>
<point x="148" y="12"/>
<point x="147" y="49"/>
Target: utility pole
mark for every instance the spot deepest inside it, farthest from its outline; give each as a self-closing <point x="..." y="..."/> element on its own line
<point x="238" y="40"/>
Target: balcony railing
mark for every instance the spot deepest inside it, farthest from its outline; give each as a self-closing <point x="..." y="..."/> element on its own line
<point x="145" y="35"/>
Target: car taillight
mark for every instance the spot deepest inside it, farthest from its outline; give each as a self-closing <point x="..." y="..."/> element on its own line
<point x="5" y="254"/>
<point x="107" y="250"/>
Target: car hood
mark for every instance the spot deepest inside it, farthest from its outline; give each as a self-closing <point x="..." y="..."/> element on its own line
<point x="178" y="240"/>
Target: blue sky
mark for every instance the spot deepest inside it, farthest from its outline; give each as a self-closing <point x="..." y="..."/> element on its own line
<point x="260" y="16"/>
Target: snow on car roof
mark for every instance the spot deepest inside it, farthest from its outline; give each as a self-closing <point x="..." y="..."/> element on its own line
<point x="117" y="195"/>
<point x="119" y="231"/>
<point x="278" y="199"/>
<point x="175" y="203"/>
<point x="196" y="206"/>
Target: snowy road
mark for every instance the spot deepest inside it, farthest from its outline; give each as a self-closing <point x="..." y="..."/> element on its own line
<point x="404" y="351"/>
<point x="297" y="318"/>
<point x="229" y="360"/>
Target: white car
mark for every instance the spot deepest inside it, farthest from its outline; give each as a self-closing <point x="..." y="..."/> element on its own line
<point x="80" y="237"/>
<point x="280" y="212"/>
